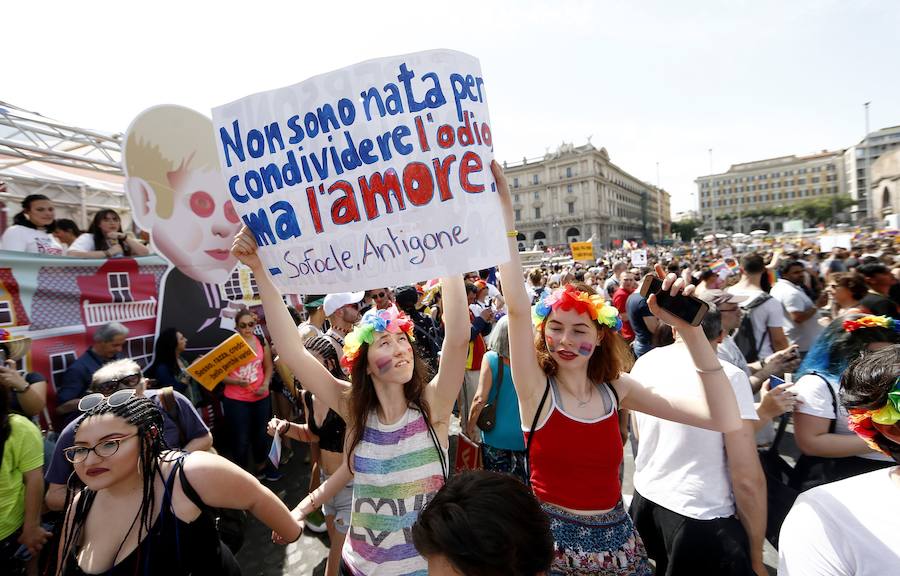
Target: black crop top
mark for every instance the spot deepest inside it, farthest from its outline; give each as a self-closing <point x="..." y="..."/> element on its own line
<point x="331" y="434"/>
<point x="173" y="547"/>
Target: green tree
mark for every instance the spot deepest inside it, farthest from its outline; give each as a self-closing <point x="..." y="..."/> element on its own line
<point x="686" y="229"/>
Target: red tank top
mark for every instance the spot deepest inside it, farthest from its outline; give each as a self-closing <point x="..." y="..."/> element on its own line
<point x="574" y="462"/>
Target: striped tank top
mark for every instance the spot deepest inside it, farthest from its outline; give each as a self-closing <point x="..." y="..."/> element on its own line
<point x="397" y="472"/>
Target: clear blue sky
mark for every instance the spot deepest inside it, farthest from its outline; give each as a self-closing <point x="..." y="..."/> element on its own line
<point x="659" y="81"/>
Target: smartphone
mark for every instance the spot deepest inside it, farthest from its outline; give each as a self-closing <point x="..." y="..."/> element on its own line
<point x="774" y="382"/>
<point x="688" y="308"/>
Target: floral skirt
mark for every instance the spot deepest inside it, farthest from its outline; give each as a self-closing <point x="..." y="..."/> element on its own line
<point x="604" y="544"/>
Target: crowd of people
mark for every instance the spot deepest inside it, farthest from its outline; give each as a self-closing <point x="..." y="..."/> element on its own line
<point x="550" y="370"/>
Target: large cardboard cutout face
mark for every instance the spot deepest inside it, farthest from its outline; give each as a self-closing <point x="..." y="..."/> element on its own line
<point x="178" y="193"/>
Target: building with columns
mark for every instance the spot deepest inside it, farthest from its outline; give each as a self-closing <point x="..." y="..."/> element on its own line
<point x="577" y="194"/>
<point x="859" y="160"/>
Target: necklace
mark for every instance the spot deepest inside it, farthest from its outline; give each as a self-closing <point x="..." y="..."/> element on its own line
<point x="590" y="395"/>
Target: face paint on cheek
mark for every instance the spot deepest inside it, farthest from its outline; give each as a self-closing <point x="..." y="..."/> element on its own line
<point x="551" y="345"/>
<point x="586" y="349"/>
<point x="383" y="365"/>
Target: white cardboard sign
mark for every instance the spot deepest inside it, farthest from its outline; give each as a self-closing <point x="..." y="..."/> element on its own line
<point x="638" y="258"/>
<point x="377" y="174"/>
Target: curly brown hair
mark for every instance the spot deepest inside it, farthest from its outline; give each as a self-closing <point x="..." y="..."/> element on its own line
<point x="362" y="399"/>
<point x="609" y="360"/>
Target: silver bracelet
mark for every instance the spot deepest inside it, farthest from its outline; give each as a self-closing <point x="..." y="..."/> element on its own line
<point x="713" y="371"/>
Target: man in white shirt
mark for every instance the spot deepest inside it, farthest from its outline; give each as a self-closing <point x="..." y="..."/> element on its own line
<point x="853" y="526"/>
<point x="766" y="314"/>
<point x="690" y="482"/>
<point x="800" y="312"/>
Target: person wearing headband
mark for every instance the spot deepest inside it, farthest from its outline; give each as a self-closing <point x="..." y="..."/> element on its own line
<point x="397" y="419"/>
<point x="569" y="367"/>
<point x="853" y="526"/>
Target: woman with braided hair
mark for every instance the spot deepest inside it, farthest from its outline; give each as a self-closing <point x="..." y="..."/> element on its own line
<point x="145" y="509"/>
<point x="334" y="493"/>
<point x="397" y="419"/>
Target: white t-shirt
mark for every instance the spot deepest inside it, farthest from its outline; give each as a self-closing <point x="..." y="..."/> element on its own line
<point x="795" y="300"/>
<point x="817" y="401"/>
<point x="729" y="352"/>
<point x="851" y="527"/>
<point x="767" y="315"/>
<point x="681" y="467"/>
<point x="84" y="243"/>
<point x="24" y="239"/>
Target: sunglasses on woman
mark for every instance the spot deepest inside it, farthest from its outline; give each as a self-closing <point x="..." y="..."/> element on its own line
<point x="103" y="449"/>
<point x="115" y="399"/>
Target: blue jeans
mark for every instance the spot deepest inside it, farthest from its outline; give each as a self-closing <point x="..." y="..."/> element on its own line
<point x="510" y="462"/>
<point x="246" y="422"/>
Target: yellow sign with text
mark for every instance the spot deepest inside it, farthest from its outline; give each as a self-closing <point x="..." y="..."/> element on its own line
<point x="215" y="365"/>
<point x="582" y="251"/>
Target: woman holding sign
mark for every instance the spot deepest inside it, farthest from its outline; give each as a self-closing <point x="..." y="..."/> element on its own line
<point x="246" y="404"/>
<point x="397" y="421"/>
<point x="571" y="380"/>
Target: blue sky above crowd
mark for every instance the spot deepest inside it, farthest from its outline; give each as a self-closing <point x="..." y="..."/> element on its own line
<point x="653" y="82"/>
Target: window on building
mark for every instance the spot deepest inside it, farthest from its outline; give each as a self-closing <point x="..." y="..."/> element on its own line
<point x="516" y="182"/>
<point x="516" y="198"/>
<point x="59" y="363"/>
<point x="140" y="349"/>
<point x="537" y="212"/>
<point x="518" y="214"/>
<point x="571" y="207"/>
<point x="537" y="195"/>
<point x="5" y="314"/>
<point x="568" y="172"/>
<point x="119" y="287"/>
<point x="534" y="179"/>
<point x="569" y="189"/>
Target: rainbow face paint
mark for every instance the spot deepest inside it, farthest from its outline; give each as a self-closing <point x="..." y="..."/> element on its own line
<point x="383" y="364"/>
<point x="551" y="345"/>
<point x="586" y="349"/>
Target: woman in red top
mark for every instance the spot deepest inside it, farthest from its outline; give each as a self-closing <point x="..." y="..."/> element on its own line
<point x="247" y="404"/>
<point x="570" y="377"/>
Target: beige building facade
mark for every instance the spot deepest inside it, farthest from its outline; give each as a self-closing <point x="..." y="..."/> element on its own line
<point x="772" y="183"/>
<point x="577" y="194"/>
<point x="885" y="190"/>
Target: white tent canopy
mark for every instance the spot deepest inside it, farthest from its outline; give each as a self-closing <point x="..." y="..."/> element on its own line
<point x="76" y="168"/>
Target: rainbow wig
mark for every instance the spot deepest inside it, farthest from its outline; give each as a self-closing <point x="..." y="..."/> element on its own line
<point x="571" y="298"/>
<point x="845" y="339"/>
<point x="387" y="320"/>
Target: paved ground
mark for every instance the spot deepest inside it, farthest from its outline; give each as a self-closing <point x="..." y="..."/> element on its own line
<point x="260" y="557"/>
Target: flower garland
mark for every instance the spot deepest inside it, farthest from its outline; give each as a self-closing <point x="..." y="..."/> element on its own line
<point x="571" y="298"/>
<point x="872" y="322"/>
<point x="387" y="320"/>
<point x="863" y="421"/>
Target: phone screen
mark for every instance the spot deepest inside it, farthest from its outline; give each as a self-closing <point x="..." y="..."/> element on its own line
<point x="685" y="307"/>
<point x="775" y="382"/>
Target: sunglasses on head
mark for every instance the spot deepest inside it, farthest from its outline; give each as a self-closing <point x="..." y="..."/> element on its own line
<point x="251" y="324"/>
<point x="110" y="386"/>
<point x="115" y="399"/>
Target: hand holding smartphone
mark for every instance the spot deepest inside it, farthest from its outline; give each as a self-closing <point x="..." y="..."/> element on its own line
<point x="685" y="307"/>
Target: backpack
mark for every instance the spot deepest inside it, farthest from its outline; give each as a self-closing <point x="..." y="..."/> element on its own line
<point x="745" y="338"/>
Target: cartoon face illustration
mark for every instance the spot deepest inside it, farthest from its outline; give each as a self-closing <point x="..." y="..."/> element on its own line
<point x="178" y="192"/>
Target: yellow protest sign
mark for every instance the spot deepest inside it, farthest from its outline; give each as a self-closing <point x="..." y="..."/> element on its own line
<point x="582" y="250"/>
<point x="214" y="366"/>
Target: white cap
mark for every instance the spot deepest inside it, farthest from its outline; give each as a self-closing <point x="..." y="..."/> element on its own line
<point x="335" y="301"/>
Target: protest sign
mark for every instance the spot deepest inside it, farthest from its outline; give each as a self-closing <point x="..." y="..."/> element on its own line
<point x="726" y="253"/>
<point x="582" y="251"/>
<point x="638" y="258"/>
<point x="830" y="242"/>
<point x="376" y="174"/>
<point x="215" y="365"/>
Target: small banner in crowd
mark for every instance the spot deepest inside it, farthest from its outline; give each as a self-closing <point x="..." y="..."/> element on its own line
<point x="215" y="365"/>
<point x="639" y="258"/>
<point x="376" y="174"/>
<point x="582" y="251"/>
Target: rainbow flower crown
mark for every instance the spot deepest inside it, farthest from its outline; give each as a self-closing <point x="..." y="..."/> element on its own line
<point x="872" y="322"/>
<point x="387" y="320"/>
<point x="571" y="298"/>
<point x="863" y="421"/>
